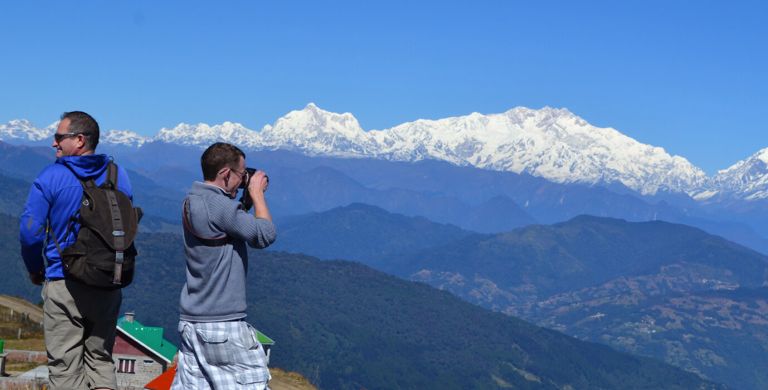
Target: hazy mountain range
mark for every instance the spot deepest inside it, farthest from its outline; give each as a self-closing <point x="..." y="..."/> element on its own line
<point x="553" y="144"/>
<point x="474" y="199"/>
<point x="657" y="289"/>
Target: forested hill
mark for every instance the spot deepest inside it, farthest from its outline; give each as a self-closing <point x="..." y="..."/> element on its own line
<point x="653" y="288"/>
<point x="344" y="325"/>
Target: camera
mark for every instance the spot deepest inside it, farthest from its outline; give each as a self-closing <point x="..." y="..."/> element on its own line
<point x="245" y="199"/>
<point x="249" y="172"/>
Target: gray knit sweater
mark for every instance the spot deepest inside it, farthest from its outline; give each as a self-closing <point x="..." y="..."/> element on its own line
<point x="215" y="287"/>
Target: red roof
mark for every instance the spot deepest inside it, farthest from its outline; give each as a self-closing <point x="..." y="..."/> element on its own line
<point x="163" y="381"/>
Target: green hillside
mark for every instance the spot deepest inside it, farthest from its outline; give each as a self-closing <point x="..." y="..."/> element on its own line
<point x="656" y="289"/>
<point x="15" y="279"/>
<point x="362" y="232"/>
<point x="377" y="331"/>
<point x="344" y="325"/>
<point x="586" y="251"/>
<point x="13" y="194"/>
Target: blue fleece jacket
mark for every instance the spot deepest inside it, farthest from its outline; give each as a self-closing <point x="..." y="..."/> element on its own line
<point x="55" y="196"/>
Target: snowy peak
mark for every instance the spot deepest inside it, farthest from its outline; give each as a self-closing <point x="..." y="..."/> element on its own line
<point x="762" y="155"/>
<point x="747" y="179"/>
<point x="123" y="137"/>
<point x="203" y="134"/>
<point x="313" y="121"/>
<point x="23" y="130"/>
<point x="552" y="143"/>
<point x="318" y="132"/>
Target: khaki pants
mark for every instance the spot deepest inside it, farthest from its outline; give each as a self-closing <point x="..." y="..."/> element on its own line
<point x="80" y="326"/>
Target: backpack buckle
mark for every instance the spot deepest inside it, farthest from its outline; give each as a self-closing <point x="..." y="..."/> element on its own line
<point x="118" y="233"/>
<point x="117" y="278"/>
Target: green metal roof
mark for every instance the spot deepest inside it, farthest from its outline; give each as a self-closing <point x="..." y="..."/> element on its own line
<point x="264" y="339"/>
<point x="150" y="336"/>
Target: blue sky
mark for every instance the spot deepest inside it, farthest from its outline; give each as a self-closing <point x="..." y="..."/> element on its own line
<point x="689" y="76"/>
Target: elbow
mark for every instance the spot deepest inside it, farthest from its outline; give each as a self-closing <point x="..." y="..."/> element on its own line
<point x="268" y="238"/>
<point x="271" y="238"/>
<point x="27" y="238"/>
<point x="265" y="238"/>
<point x="31" y="233"/>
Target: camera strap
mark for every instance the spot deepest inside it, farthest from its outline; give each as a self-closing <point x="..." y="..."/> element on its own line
<point x="208" y="241"/>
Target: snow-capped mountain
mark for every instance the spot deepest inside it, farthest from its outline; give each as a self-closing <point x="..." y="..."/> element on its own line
<point x="204" y="135"/>
<point x="123" y="137"/>
<point x="747" y="179"/>
<point x="21" y="130"/>
<point x="317" y="132"/>
<point x="551" y="143"/>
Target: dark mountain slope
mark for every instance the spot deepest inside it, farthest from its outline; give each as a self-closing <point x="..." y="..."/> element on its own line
<point x="640" y="287"/>
<point x="362" y="232"/>
<point x="586" y="251"/>
<point x="345" y="326"/>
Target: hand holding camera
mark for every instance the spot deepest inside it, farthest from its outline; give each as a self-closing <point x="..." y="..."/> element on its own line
<point x="256" y="182"/>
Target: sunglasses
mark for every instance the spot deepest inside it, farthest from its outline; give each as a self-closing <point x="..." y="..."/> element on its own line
<point x="61" y="136"/>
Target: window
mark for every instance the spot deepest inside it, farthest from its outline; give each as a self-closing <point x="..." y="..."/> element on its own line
<point x="126" y="366"/>
<point x="149" y="362"/>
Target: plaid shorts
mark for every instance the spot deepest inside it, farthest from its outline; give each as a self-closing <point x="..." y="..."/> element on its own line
<point x="220" y="355"/>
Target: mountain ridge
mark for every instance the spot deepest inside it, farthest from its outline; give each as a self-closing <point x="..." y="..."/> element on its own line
<point x="551" y="143"/>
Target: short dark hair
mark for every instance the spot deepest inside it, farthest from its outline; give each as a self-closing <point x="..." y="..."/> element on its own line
<point x="217" y="156"/>
<point x="82" y="123"/>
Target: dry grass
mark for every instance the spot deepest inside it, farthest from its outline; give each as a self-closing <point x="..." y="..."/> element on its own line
<point x="19" y="305"/>
<point x="26" y="344"/>
<point x="281" y="379"/>
<point x="29" y="385"/>
<point x="19" y="317"/>
<point x="284" y="380"/>
<point x="20" y="367"/>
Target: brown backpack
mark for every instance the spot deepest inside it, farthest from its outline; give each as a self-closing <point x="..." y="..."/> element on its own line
<point x="103" y="255"/>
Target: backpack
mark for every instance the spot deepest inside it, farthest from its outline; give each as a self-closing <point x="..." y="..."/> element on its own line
<point x="103" y="255"/>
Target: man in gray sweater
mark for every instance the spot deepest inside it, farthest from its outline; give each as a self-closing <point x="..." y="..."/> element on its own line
<point x="219" y="350"/>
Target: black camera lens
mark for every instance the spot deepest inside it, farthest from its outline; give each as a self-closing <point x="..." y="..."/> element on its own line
<point x="245" y="199"/>
<point x="249" y="172"/>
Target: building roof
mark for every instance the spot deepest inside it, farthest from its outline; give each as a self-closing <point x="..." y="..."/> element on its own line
<point x="150" y="337"/>
<point x="163" y="381"/>
<point x="264" y="339"/>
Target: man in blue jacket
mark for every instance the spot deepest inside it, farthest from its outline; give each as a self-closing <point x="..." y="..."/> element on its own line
<point x="79" y="320"/>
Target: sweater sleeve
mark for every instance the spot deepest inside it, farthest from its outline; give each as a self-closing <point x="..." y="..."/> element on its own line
<point x="235" y="222"/>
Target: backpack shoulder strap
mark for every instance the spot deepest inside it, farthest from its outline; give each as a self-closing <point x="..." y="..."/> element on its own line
<point x="111" y="175"/>
<point x="118" y="231"/>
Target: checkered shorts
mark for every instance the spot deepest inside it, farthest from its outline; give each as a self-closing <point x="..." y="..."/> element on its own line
<point x="220" y="355"/>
